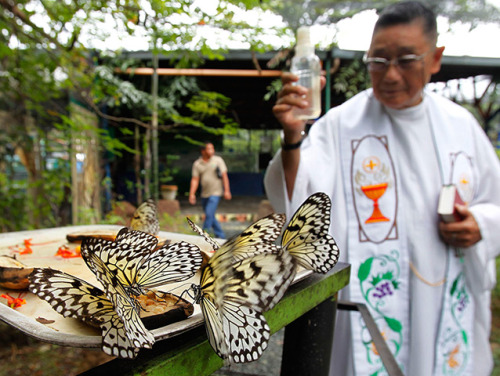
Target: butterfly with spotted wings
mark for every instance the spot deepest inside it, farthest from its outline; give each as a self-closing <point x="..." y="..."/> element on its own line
<point x="249" y="274"/>
<point x="138" y="265"/>
<point x="145" y="218"/>
<point x="125" y="266"/>
<point x="123" y="334"/>
<point x="306" y="236"/>
<point x="245" y="277"/>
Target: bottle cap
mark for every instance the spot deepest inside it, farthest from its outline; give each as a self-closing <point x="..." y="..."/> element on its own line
<point x="304" y="45"/>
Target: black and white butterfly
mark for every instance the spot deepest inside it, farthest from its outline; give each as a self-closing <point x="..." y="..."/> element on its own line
<point x="138" y="265"/>
<point x="306" y="236"/>
<point x="245" y="277"/>
<point x="265" y="230"/>
<point x="123" y="334"/>
<point x="145" y="218"/>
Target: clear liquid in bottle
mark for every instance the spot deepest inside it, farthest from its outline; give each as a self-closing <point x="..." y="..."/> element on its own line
<point x="306" y="65"/>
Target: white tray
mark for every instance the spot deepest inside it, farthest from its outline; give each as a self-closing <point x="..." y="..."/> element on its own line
<point x="69" y="331"/>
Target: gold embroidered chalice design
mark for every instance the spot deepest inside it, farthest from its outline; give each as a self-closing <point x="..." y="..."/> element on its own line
<point x="374" y="192"/>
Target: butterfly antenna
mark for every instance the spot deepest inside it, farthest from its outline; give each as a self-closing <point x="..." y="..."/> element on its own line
<point x="182" y="285"/>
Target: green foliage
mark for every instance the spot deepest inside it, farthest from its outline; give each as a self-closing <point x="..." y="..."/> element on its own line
<point x="496" y="289"/>
<point x="272" y="89"/>
<point x="45" y="55"/>
<point x="169" y="170"/>
<point x="495" y="327"/>
<point x="16" y="208"/>
<point x="12" y="204"/>
<point x="208" y="108"/>
<point x="302" y="12"/>
<point x="352" y="79"/>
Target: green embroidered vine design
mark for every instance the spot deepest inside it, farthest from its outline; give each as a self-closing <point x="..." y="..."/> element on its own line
<point x="456" y="341"/>
<point x="378" y="277"/>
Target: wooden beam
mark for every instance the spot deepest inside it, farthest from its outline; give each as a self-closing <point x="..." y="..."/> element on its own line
<point x="201" y="72"/>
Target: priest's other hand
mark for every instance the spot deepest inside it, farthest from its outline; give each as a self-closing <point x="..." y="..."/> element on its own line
<point x="462" y="234"/>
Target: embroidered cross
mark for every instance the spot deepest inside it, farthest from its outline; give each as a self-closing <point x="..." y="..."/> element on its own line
<point x="371" y="165"/>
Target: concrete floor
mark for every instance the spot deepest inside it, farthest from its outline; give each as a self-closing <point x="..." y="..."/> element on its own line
<point x="234" y="215"/>
<point x="238" y="204"/>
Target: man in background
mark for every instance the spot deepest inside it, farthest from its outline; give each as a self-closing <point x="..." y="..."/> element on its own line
<point x="210" y="170"/>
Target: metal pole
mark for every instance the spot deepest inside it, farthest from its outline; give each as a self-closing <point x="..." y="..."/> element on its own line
<point x="154" y="123"/>
<point x="328" y="89"/>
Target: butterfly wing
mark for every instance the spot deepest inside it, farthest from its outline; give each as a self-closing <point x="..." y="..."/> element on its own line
<point x="136" y="239"/>
<point x="145" y="218"/>
<point x="306" y="236"/>
<point x="234" y="297"/>
<point x="125" y="307"/>
<point x="236" y="332"/>
<point x="246" y="331"/>
<point x="215" y="246"/>
<point x="257" y="238"/>
<point x="172" y="263"/>
<point x="261" y="281"/>
<point x="73" y="297"/>
<point x="213" y="325"/>
<point x="122" y="258"/>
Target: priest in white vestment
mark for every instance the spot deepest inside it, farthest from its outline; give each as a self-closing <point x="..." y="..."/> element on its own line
<point x="383" y="157"/>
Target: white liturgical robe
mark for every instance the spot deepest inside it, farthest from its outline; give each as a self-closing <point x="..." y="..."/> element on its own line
<point x="360" y="148"/>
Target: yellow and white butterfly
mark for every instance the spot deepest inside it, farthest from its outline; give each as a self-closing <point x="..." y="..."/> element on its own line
<point x="123" y="333"/>
<point x="138" y="265"/>
<point x="145" y="218"/>
<point x="306" y="236"/>
<point x="245" y="277"/>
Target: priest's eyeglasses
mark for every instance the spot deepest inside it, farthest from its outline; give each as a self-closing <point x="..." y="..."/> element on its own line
<point x="403" y="63"/>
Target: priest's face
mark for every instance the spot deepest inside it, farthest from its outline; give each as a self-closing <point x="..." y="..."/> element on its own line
<point x="413" y="58"/>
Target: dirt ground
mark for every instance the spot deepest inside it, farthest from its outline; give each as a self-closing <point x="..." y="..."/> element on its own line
<point x="21" y="355"/>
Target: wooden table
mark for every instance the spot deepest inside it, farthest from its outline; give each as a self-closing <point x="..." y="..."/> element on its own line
<point x="307" y="311"/>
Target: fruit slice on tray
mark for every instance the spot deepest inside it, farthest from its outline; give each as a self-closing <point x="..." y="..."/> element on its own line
<point x="13" y="273"/>
<point x="106" y="234"/>
<point x="77" y="237"/>
<point x="160" y="308"/>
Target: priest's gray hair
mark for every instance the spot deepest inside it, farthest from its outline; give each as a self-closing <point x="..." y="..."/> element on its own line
<point x="406" y="12"/>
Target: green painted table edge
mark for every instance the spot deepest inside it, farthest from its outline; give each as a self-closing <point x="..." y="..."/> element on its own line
<point x="191" y="354"/>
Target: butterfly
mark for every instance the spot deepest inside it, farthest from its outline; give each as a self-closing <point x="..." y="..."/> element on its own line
<point x="306" y="236"/>
<point x="145" y="218"/>
<point x="125" y="306"/>
<point x="122" y="335"/>
<point x="265" y="230"/>
<point x="135" y="263"/>
<point x="245" y="277"/>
